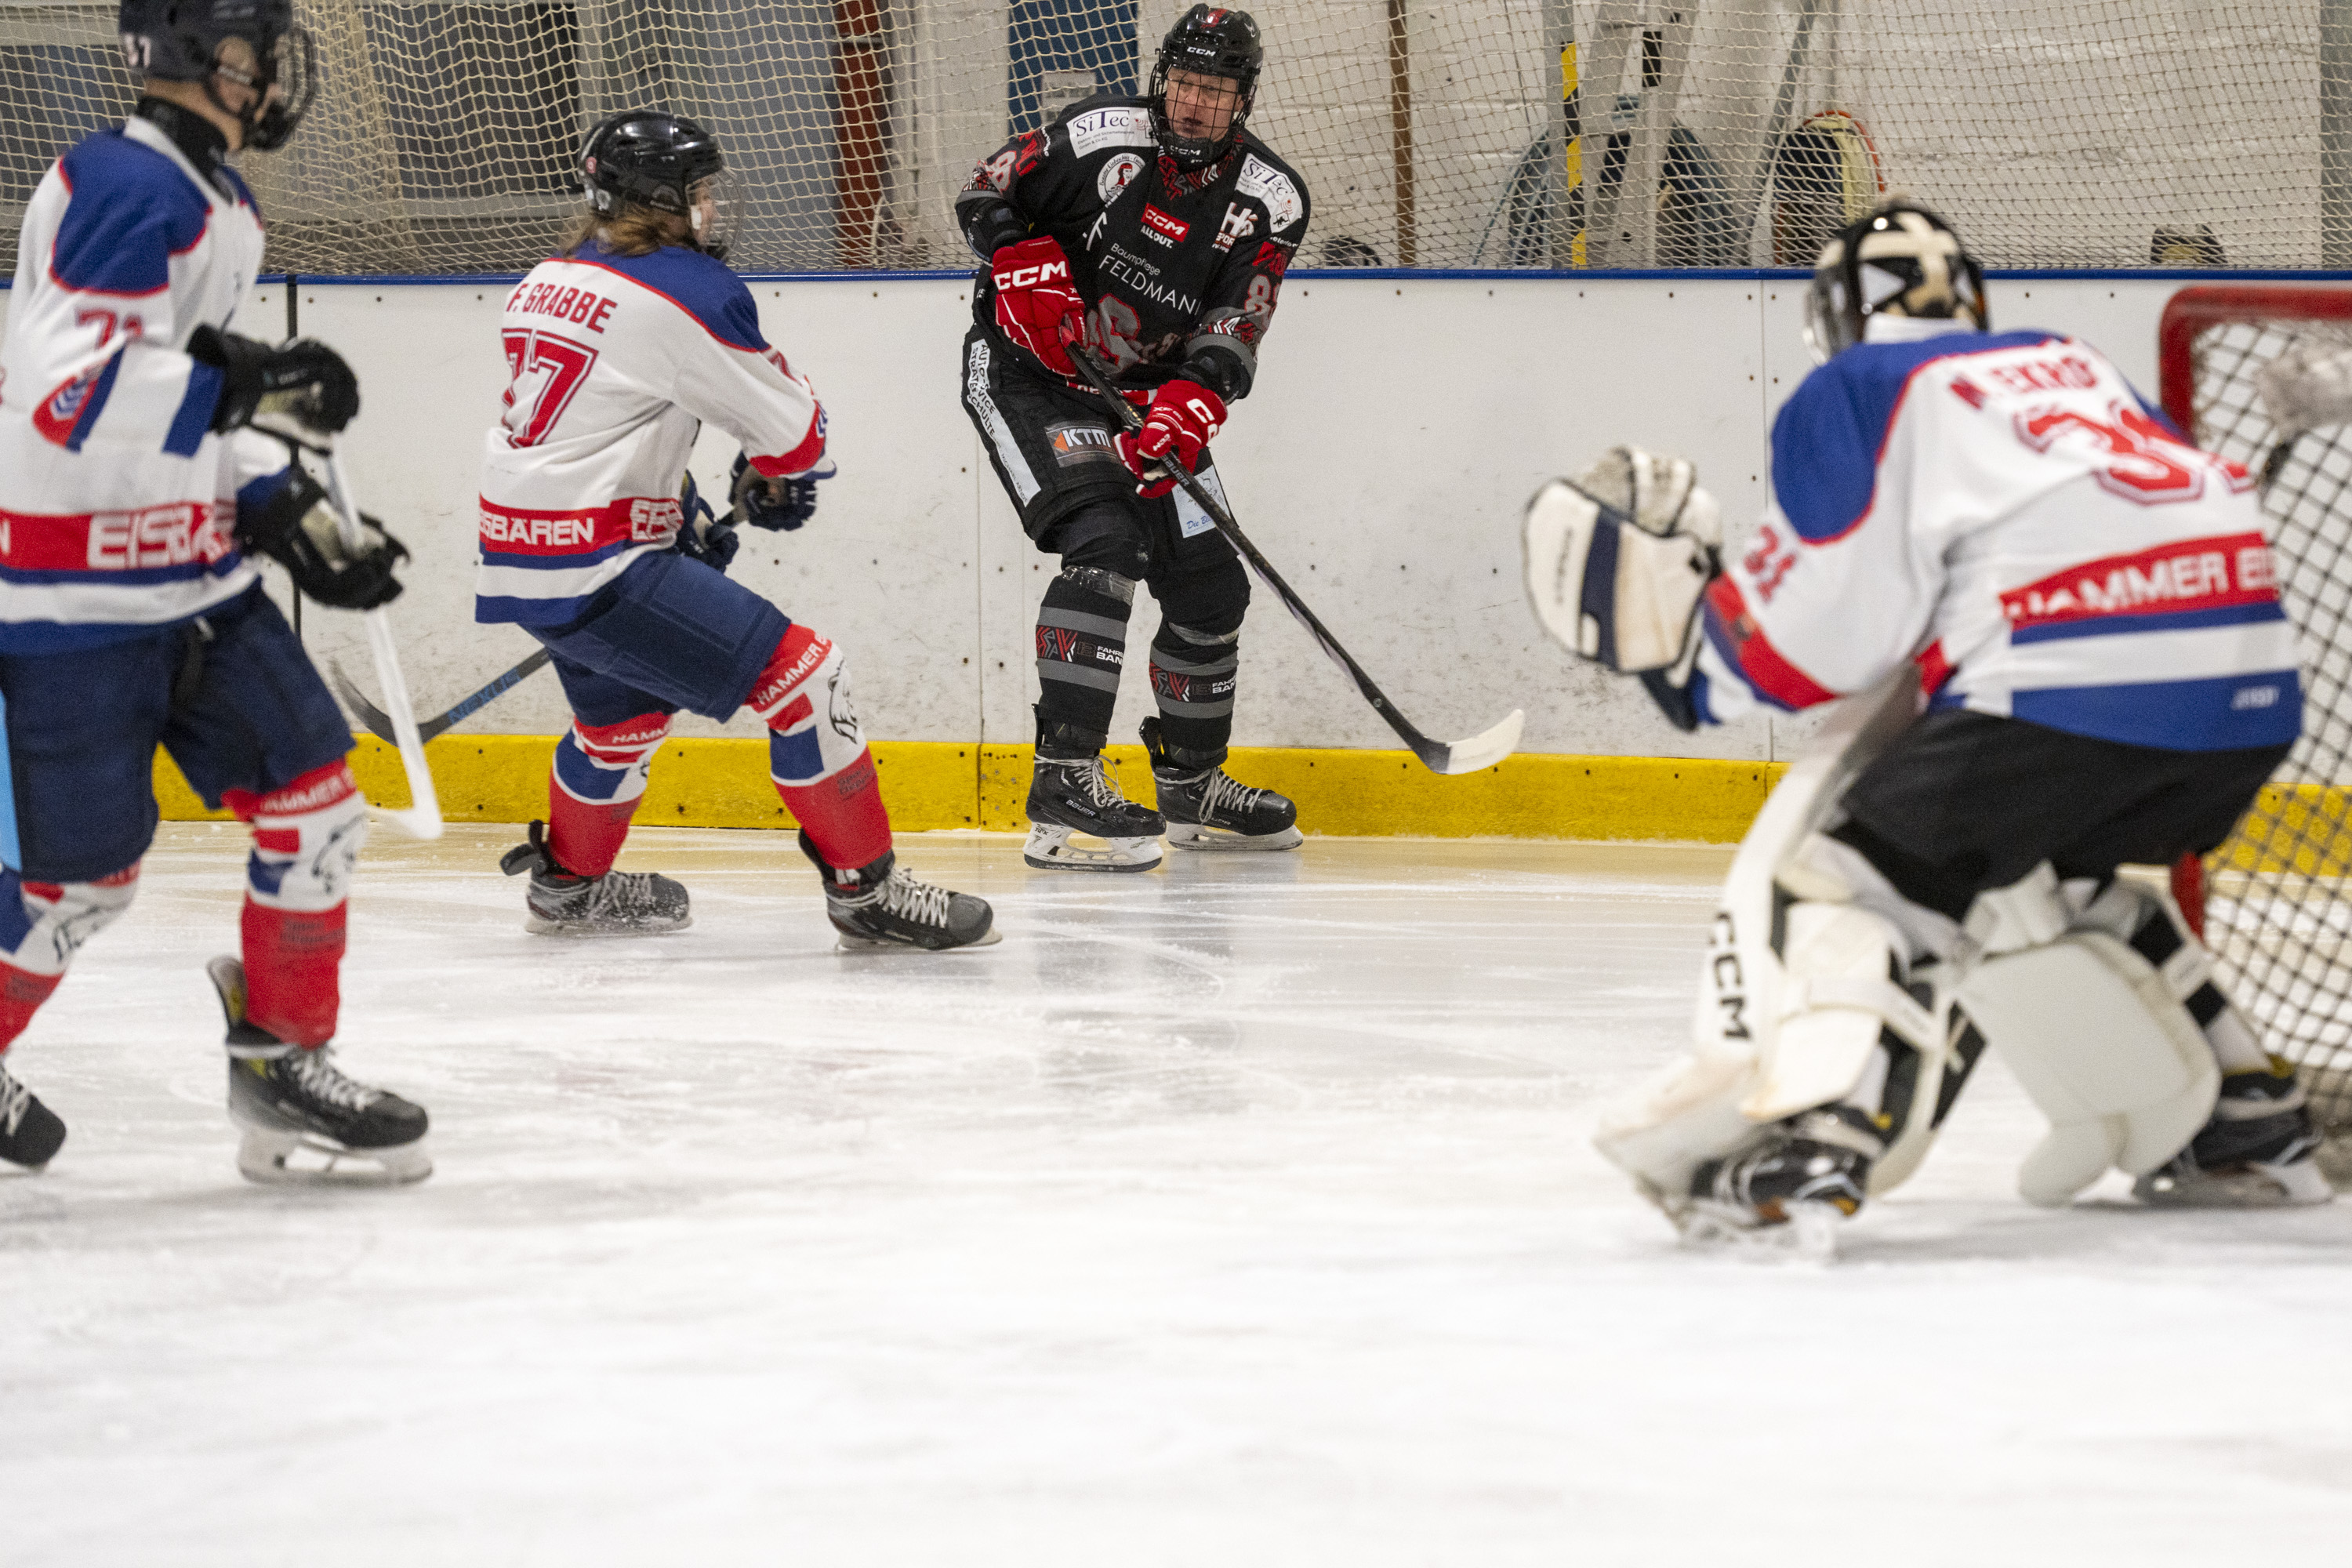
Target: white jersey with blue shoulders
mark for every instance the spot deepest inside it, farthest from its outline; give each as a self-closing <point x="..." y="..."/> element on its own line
<point x="117" y="501"/>
<point x="616" y="360"/>
<point x="2008" y="512"/>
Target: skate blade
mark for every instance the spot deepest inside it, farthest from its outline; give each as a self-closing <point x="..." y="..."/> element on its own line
<point x="848" y="943"/>
<point x="1200" y="836"/>
<point x="1054" y="848"/>
<point x="1810" y="1233"/>
<point x="538" y="925"/>
<point x="2253" y="1185"/>
<point x="293" y="1160"/>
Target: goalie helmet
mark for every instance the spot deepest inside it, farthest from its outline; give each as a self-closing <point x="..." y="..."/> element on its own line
<point x="1207" y="40"/>
<point x="180" y="40"/>
<point x="1903" y="262"/>
<point x="643" y="157"/>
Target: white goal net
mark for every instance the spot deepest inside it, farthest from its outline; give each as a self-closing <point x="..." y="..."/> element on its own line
<point x="1432" y="133"/>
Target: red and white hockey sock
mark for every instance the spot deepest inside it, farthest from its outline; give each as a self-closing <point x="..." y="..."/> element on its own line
<point x="596" y="786"/>
<point x="306" y="844"/>
<point x="816" y="750"/>
<point x="42" y="924"/>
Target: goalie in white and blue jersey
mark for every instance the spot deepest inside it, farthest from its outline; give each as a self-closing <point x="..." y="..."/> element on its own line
<point x="2070" y="631"/>
<point x="134" y="477"/>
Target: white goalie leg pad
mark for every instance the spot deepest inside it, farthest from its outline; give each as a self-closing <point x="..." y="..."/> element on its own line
<point x="2100" y="1040"/>
<point x="1775" y="1035"/>
<point x="1616" y="559"/>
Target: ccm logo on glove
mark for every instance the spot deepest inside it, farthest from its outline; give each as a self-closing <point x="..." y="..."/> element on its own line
<point x="1184" y="417"/>
<point x="1036" y="305"/>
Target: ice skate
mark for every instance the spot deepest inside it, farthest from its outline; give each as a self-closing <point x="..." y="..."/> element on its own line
<point x="305" y="1124"/>
<point x="619" y="903"/>
<point x="1788" y="1191"/>
<point x="2259" y="1150"/>
<point x="30" y="1132"/>
<point x="1072" y="795"/>
<point x="1206" y="809"/>
<point x="885" y="905"/>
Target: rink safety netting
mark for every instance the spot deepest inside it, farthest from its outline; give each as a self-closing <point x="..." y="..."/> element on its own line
<point x="1432" y="133"/>
<point x="2279" y="910"/>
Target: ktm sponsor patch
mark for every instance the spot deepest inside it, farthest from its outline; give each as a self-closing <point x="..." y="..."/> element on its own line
<point x="1077" y="443"/>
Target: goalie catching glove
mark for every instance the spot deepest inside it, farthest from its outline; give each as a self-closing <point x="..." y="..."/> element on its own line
<point x="298" y="530"/>
<point x="1616" y="561"/>
<point x="303" y="390"/>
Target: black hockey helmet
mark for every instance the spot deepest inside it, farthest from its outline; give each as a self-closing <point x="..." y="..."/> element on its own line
<point x="180" y="40"/>
<point x="1900" y="261"/>
<point x="664" y="162"/>
<point x="1207" y="40"/>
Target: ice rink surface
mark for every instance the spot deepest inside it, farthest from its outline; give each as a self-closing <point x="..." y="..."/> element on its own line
<point x="1240" y="1212"/>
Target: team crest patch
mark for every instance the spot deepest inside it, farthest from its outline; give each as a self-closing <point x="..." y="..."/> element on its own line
<point x="1115" y="176"/>
<point x="1077" y="443"/>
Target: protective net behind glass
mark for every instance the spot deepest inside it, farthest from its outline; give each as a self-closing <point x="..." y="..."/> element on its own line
<point x="1430" y="133"/>
<point x="2278" y="913"/>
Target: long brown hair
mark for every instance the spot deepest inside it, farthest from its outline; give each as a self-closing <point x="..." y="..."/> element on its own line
<point x="634" y="230"/>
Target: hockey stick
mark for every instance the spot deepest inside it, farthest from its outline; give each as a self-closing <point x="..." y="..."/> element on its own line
<point x="1480" y="750"/>
<point x="421" y="819"/>
<point x="381" y="726"/>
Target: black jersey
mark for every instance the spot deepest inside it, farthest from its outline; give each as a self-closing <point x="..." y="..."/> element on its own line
<point x="1178" y="269"/>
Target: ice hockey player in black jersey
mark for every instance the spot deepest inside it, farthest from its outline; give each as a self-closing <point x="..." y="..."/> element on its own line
<point x="1157" y="230"/>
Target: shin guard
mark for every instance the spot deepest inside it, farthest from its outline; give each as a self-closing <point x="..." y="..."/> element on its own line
<point x="816" y="749"/>
<point x="1082" y="648"/>
<point x="306" y="844"/>
<point x="596" y="787"/>
<point x="1194" y="671"/>
<point x="42" y="925"/>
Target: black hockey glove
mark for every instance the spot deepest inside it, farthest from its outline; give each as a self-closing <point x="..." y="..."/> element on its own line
<point x="299" y="531"/>
<point x="303" y="390"/>
<point x="781" y="504"/>
<point x="702" y="536"/>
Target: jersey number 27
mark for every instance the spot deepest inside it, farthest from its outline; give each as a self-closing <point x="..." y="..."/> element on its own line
<point x="545" y="371"/>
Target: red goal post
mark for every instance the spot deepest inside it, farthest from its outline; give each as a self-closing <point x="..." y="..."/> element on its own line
<point x="2216" y="408"/>
<point x="2277" y="908"/>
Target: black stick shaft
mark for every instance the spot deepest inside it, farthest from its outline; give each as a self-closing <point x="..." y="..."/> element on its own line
<point x="1095" y="373"/>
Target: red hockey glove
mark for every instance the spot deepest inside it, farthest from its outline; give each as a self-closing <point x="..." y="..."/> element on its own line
<point x="1185" y="417"/>
<point x="1037" y="303"/>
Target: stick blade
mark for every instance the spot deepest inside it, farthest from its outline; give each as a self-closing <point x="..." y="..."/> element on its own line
<point x="378" y="723"/>
<point x="1479" y="752"/>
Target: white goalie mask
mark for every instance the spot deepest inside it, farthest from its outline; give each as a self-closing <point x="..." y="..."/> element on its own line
<point x="1900" y="263"/>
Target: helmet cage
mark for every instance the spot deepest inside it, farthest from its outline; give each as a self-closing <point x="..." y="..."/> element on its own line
<point x="1211" y="41"/>
<point x="1901" y="262"/>
<point x="181" y="40"/>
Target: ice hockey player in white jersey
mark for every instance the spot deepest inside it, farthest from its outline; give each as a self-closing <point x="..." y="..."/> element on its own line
<point x="619" y="350"/>
<point x="134" y="479"/>
<point x="2058" y="631"/>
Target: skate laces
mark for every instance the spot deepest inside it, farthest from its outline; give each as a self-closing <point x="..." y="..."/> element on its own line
<point x="1091" y="778"/>
<point x="321" y="1080"/>
<point x="911" y="898"/>
<point x="1222" y="793"/>
<point x="14" y="1100"/>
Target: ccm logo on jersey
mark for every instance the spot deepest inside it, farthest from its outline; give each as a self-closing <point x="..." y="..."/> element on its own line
<point x="1162" y="227"/>
<point x="1033" y="277"/>
<point x="2189" y="574"/>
